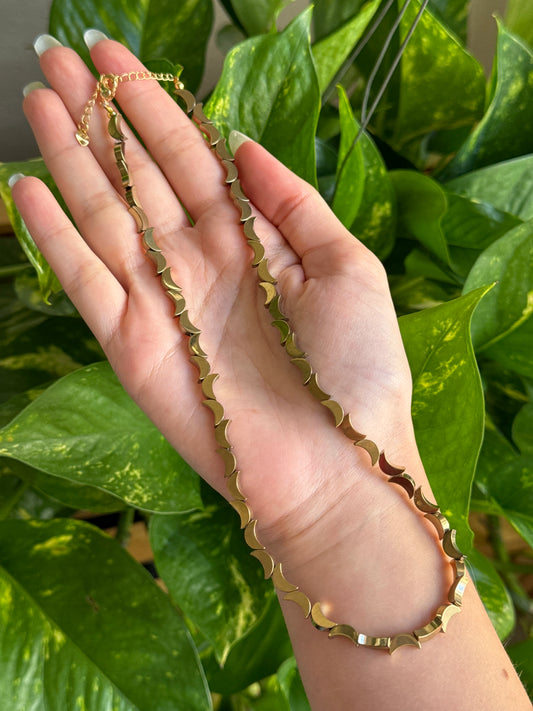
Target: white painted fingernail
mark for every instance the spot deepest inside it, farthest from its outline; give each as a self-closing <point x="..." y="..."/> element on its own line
<point x="32" y="86"/>
<point x="44" y="42"/>
<point x="236" y="139"/>
<point x="14" y="178"/>
<point x="92" y="37"/>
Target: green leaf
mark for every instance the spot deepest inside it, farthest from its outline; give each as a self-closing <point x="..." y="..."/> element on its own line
<point x="164" y="66"/>
<point x="76" y="496"/>
<point x="86" y="429"/>
<point x="506" y="479"/>
<point x="35" y="349"/>
<point x="48" y="282"/>
<point x="469" y="227"/>
<point x="515" y="351"/>
<point x="206" y="565"/>
<point x="375" y="222"/>
<point x="414" y="293"/>
<point x="258" y="16"/>
<point x="364" y="199"/>
<point x="522" y="657"/>
<point x="473" y="224"/>
<point x="419" y="263"/>
<point x="292" y="687"/>
<point x="255" y="656"/>
<point x="509" y="262"/>
<point x="442" y="86"/>
<point x="329" y="15"/>
<point x="326" y="166"/>
<point x="422" y="203"/>
<point x="523" y="429"/>
<point x="11" y="490"/>
<point x="493" y="593"/>
<point x="62" y="493"/>
<point x="350" y="166"/>
<point x="28" y="360"/>
<point x="269" y="91"/>
<point x="332" y="50"/>
<point x="506" y="129"/>
<point x="151" y="29"/>
<point x="271" y="697"/>
<point x="19" y="501"/>
<point x="12" y="259"/>
<point x="505" y="395"/>
<point x="85" y="627"/>
<point x="507" y="186"/>
<point x="28" y="290"/>
<point x="454" y="14"/>
<point x="448" y="406"/>
<point x="519" y="19"/>
<point x="371" y="62"/>
<point x="230" y="12"/>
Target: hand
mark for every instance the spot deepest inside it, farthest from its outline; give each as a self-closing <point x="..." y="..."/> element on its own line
<point x="294" y="464"/>
<point x="348" y="538"/>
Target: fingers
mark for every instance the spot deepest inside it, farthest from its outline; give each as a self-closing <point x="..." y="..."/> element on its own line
<point x="75" y="84"/>
<point x="196" y="173"/>
<point x="95" y="292"/>
<point x="304" y="219"/>
<point x="169" y="135"/>
<point x="96" y="207"/>
<point x="83" y="174"/>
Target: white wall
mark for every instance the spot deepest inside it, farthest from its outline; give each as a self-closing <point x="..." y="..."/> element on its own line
<point x="22" y="20"/>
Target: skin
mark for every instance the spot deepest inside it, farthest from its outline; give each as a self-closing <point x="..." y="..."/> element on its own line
<point x="344" y="536"/>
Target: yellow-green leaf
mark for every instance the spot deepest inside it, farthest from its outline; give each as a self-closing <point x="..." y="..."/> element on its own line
<point x="206" y="565"/>
<point x="269" y="91"/>
<point x="86" y="429"/>
<point x="84" y="627"/>
<point x="506" y="129"/>
<point x="152" y="29"/>
<point x="331" y="51"/>
<point x="445" y="377"/>
<point x="442" y="86"/>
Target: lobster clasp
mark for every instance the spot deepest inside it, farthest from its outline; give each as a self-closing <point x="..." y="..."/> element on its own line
<point x="107" y="86"/>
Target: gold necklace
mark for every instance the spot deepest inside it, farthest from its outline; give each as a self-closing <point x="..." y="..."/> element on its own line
<point x="103" y="94"/>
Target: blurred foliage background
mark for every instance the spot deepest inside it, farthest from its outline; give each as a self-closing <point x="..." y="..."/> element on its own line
<point x="381" y="107"/>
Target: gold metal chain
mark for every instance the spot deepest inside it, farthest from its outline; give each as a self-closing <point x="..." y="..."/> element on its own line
<point x="105" y="91"/>
<point x="103" y="94"/>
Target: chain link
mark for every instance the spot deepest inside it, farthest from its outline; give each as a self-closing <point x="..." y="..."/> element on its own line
<point x="106" y="89"/>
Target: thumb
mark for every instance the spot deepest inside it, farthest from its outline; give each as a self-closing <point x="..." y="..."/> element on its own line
<point x="294" y="207"/>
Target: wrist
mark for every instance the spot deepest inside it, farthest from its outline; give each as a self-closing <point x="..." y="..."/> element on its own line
<point x="367" y="554"/>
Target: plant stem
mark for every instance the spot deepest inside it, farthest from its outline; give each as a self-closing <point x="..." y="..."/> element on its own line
<point x="125" y="523"/>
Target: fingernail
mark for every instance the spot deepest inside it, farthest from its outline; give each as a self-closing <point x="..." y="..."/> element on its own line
<point x="92" y="37"/>
<point x="32" y="86"/>
<point x="44" y="42"/>
<point x="14" y="178"/>
<point x="236" y="139"/>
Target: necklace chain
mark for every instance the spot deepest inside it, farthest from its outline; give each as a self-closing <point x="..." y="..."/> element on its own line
<point x="104" y="93"/>
<point x="106" y="89"/>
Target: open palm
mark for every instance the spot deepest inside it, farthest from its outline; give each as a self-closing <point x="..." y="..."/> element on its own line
<point x="333" y="290"/>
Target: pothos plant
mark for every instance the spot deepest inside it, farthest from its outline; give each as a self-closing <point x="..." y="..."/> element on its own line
<point x="432" y="168"/>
